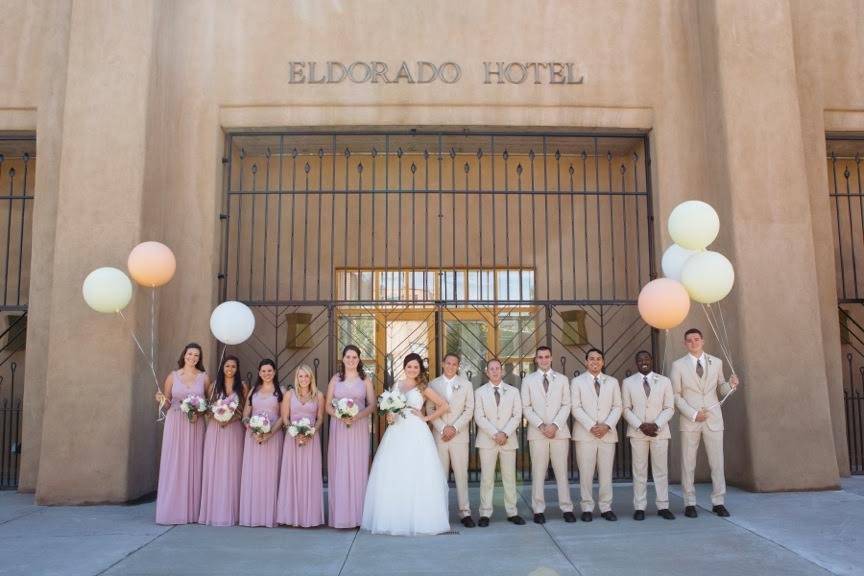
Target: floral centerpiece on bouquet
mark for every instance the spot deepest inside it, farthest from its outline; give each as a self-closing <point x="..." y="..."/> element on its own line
<point x="345" y="408"/>
<point x="302" y="428"/>
<point x="259" y="424"/>
<point x="392" y="402"/>
<point x="224" y="408"/>
<point x="192" y="406"/>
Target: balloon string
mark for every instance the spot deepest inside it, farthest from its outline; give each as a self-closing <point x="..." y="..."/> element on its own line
<point x="152" y="368"/>
<point x="713" y="323"/>
<point x="153" y="325"/>
<point x="664" y="350"/>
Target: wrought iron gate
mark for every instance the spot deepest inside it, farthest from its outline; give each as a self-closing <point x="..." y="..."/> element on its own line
<point x="486" y="243"/>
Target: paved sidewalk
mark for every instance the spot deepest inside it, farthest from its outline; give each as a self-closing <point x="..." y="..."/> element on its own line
<point x="791" y="534"/>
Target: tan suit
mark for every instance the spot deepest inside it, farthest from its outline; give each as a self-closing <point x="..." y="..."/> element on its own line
<point x="455" y="452"/>
<point x="656" y="408"/>
<point x="550" y="407"/>
<point x="691" y="394"/>
<point x="492" y="418"/>
<point x="589" y="409"/>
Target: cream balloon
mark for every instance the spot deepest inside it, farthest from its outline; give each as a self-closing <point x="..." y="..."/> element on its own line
<point x="708" y="277"/>
<point x="232" y="322"/>
<point x="107" y="290"/>
<point x="151" y="264"/>
<point x="693" y="224"/>
<point x="663" y="303"/>
<point x="673" y="261"/>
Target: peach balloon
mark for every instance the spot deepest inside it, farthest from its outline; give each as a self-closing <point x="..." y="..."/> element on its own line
<point x="151" y="264"/>
<point x="664" y="303"/>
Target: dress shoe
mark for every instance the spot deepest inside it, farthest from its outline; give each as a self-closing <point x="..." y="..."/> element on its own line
<point x="569" y="517"/>
<point x="720" y="510"/>
<point x="690" y="512"/>
<point x="484" y="521"/>
<point x="468" y="522"/>
<point x="518" y="520"/>
<point x="666" y="513"/>
<point x="639" y="515"/>
<point x="539" y="518"/>
<point x="587" y="517"/>
<point x="610" y="516"/>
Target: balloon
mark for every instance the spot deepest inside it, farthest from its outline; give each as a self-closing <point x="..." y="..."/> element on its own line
<point x="693" y="225"/>
<point x="232" y="322"/>
<point x="663" y="303"/>
<point x="708" y="277"/>
<point x="107" y="290"/>
<point x="151" y="264"/>
<point x="673" y="260"/>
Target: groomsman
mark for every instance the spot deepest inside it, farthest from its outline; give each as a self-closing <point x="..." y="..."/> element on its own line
<point x="546" y="405"/>
<point x="451" y="430"/>
<point x="498" y="413"/>
<point x="649" y="404"/>
<point x="696" y="378"/>
<point x="596" y="403"/>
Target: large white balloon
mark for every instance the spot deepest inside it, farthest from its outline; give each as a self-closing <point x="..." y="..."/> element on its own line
<point x="232" y="322"/>
<point x="673" y="261"/>
<point x="693" y="224"/>
<point x="708" y="277"/>
<point x="107" y="290"/>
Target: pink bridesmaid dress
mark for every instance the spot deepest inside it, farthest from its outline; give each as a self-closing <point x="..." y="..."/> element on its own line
<point x="301" y="490"/>
<point x="179" y="492"/>
<point x="220" y="488"/>
<point x="347" y="459"/>
<point x="259" y="481"/>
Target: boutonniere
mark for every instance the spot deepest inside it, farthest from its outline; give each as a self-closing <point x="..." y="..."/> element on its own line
<point x="457" y="386"/>
<point x="654" y="378"/>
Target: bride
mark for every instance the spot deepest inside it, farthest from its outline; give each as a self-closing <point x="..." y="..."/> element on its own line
<point x="407" y="492"/>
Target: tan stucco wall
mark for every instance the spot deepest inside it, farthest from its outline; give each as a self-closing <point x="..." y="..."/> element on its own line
<point x="131" y="135"/>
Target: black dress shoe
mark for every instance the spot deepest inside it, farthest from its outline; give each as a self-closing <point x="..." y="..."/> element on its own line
<point x="587" y="517"/>
<point x="639" y="515"/>
<point x="569" y="517"/>
<point x="666" y="513"/>
<point x="483" y="522"/>
<point x="690" y="512"/>
<point x="518" y="520"/>
<point x="468" y="522"/>
<point x="720" y="510"/>
<point x="610" y="516"/>
<point x="539" y="518"/>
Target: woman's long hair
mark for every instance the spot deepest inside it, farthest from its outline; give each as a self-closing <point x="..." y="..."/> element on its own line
<point x="219" y="387"/>
<point x="259" y="382"/>
<point x="423" y="377"/>
<point x="182" y="361"/>
<point x="360" y="369"/>
<point x="313" y="387"/>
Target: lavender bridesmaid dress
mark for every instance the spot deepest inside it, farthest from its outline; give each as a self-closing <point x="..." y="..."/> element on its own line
<point x="220" y="488"/>
<point x="259" y="481"/>
<point x="348" y="459"/>
<point x="301" y="491"/>
<point x="179" y="491"/>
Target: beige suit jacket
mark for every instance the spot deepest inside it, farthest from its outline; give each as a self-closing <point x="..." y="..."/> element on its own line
<point x="492" y="418"/>
<point x="693" y="393"/>
<point x="461" y="408"/>
<point x="590" y="409"/>
<point x="658" y="408"/>
<point x="540" y="407"/>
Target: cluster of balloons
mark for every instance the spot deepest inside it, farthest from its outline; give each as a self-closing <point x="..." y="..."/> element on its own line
<point x="691" y="271"/>
<point x="109" y="290"/>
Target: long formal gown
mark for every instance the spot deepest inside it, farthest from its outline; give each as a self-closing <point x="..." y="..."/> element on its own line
<point x="301" y="491"/>
<point x="259" y="481"/>
<point x="407" y="490"/>
<point x="347" y="459"/>
<point x="179" y="492"/>
<point x="220" y="487"/>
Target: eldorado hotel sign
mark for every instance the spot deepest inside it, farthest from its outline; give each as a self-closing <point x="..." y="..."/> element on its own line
<point x="423" y="72"/>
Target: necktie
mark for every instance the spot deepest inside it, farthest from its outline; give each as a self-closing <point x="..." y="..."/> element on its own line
<point x="597" y="386"/>
<point x="646" y="386"/>
<point x="545" y="383"/>
<point x="699" y="370"/>
<point x="449" y="389"/>
<point x="497" y="397"/>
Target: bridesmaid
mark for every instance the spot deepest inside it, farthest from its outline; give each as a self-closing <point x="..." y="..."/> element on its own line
<point x="259" y="482"/>
<point x="348" y="450"/>
<point x="223" y="451"/>
<point x="301" y="492"/>
<point x="179" y="491"/>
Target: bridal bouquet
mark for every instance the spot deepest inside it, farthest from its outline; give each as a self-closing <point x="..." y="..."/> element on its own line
<point x="345" y="408"/>
<point x="259" y="424"/>
<point x="302" y="428"/>
<point x="392" y="402"/>
<point x="193" y="405"/>
<point x="223" y="409"/>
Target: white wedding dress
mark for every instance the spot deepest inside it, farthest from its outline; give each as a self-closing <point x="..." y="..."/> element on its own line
<point x="407" y="493"/>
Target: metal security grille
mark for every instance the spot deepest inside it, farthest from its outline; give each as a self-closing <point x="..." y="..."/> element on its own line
<point x="482" y="242"/>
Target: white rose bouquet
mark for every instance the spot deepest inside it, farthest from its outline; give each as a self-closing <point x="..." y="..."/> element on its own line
<point x="392" y="402"/>
<point x="259" y="424"/>
<point x="345" y="408"/>
<point x="193" y="405"/>
<point x="302" y="428"/>
<point x="223" y="409"/>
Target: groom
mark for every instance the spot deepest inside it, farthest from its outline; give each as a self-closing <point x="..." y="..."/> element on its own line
<point x="451" y="430"/>
<point x="498" y="413"/>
